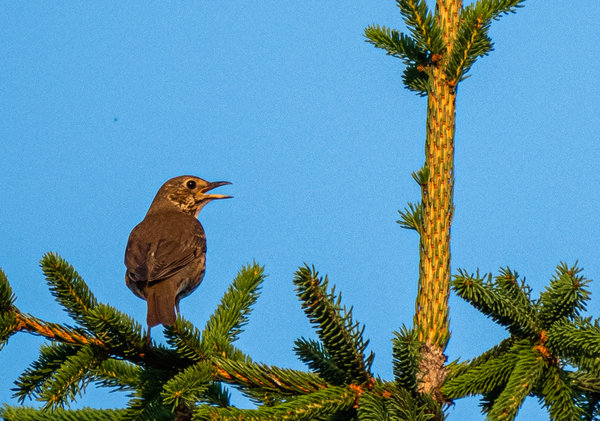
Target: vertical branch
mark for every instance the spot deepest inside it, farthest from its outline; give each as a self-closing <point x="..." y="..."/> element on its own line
<point x="431" y="316"/>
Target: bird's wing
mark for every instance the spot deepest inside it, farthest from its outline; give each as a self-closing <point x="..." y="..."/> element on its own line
<point x="158" y="248"/>
<point x="172" y="256"/>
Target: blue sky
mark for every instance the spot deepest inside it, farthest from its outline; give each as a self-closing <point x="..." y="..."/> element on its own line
<point x="101" y="103"/>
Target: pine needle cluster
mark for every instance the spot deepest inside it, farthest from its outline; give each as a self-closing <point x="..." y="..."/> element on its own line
<point x="423" y="47"/>
<point x="552" y="352"/>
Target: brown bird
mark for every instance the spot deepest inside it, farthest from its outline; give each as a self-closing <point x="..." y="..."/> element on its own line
<point x="165" y="254"/>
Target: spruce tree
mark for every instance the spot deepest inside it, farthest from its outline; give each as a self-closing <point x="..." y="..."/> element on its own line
<point x="551" y="352"/>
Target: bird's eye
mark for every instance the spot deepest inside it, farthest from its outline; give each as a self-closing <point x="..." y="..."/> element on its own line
<point x="191" y="184"/>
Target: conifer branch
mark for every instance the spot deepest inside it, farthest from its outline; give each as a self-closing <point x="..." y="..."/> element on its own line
<point x="532" y="361"/>
<point x="87" y="354"/>
<point x="9" y="324"/>
<point x="497" y="8"/>
<point x="518" y="315"/>
<point x="68" y="287"/>
<point x="406" y="355"/>
<point x="415" y="76"/>
<point x="118" y="374"/>
<point x="226" y="322"/>
<point x="340" y="335"/>
<point x="188" y="386"/>
<point x="519" y="293"/>
<point x="457" y="368"/>
<point x="311" y="406"/>
<point x="396" y="44"/>
<point x="9" y="413"/>
<point x="187" y="339"/>
<point x="416" y="79"/>
<point x="146" y="408"/>
<point x="585" y="382"/>
<point x="7" y="297"/>
<point x="389" y="402"/>
<point x="559" y="396"/>
<point x="190" y="344"/>
<point x="111" y="327"/>
<point x="70" y="379"/>
<point x="403" y="405"/>
<point x="217" y="394"/>
<point x="117" y="330"/>
<point x="412" y="217"/>
<point x="472" y="40"/>
<point x="65" y="334"/>
<point x="146" y="401"/>
<point x="29" y="384"/>
<point x="528" y="370"/>
<point x="261" y="376"/>
<point x="590" y="404"/>
<point x="372" y="408"/>
<point x="236" y="305"/>
<point x="318" y="359"/>
<point x="566" y="295"/>
<point x="587" y="393"/>
<point x="155" y="355"/>
<point x="62" y="371"/>
<point x="421" y="176"/>
<point x="577" y="340"/>
<point x="422" y="24"/>
<point x="485" y="374"/>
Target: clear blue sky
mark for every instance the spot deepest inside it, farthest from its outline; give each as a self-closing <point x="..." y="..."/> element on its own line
<point x="102" y="102"/>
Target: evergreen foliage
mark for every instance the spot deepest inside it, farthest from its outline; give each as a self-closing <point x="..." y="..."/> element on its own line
<point x="425" y="44"/>
<point x="472" y="40"/>
<point x="412" y="217"/>
<point x="341" y="337"/>
<point x="397" y="404"/>
<point x="108" y="348"/>
<point x="319" y="360"/>
<point x="188" y="379"/>
<point x="85" y="414"/>
<point x="8" y="319"/>
<point x="406" y="354"/>
<point x="552" y="352"/>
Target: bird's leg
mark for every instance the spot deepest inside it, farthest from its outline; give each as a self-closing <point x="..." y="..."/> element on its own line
<point x="177" y="307"/>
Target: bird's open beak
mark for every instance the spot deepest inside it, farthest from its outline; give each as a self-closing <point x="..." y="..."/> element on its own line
<point x="214" y="185"/>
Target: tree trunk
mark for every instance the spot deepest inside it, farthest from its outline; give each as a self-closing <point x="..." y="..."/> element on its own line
<point x="431" y="316"/>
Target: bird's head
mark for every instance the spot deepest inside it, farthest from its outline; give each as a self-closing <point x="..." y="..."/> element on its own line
<point x="187" y="194"/>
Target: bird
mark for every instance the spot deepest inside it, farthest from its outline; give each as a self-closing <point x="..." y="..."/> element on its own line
<point x="166" y="252"/>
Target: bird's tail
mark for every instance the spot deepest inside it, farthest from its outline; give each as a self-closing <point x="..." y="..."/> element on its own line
<point x="161" y="304"/>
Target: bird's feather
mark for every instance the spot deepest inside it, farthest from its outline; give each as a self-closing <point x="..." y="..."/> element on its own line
<point x="177" y="240"/>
